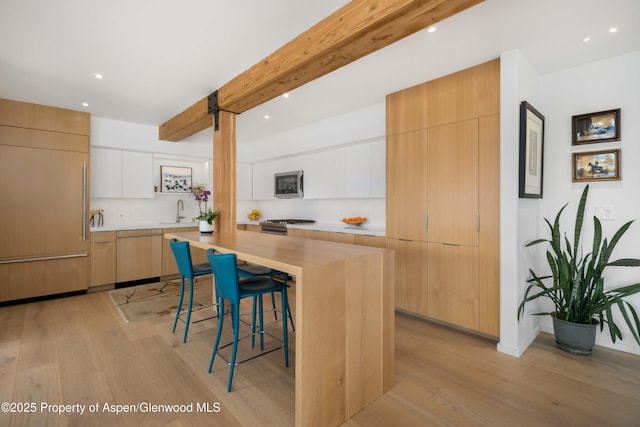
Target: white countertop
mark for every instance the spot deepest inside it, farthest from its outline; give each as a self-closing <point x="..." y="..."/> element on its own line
<point x="333" y="228"/>
<point x="117" y="227"/>
<point x="342" y="228"/>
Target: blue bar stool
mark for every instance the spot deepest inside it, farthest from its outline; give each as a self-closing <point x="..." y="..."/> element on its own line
<point x="230" y="288"/>
<point x="182" y="254"/>
<point x="248" y="271"/>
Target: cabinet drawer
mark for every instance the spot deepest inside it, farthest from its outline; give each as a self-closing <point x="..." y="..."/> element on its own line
<point x="103" y="236"/>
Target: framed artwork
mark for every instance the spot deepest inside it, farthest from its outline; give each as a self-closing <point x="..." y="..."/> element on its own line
<point x="603" y="126"/>
<point x="596" y="165"/>
<point x="175" y="179"/>
<point x="531" y="151"/>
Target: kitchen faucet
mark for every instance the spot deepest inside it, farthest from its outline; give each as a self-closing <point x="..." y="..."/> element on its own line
<point x="179" y="207"/>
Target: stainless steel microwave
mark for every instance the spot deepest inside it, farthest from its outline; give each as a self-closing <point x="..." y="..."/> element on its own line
<point x="289" y="185"/>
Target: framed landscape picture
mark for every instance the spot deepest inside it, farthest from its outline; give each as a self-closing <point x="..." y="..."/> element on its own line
<point x="531" y="151"/>
<point x="603" y="126"/>
<point x="596" y="165"/>
<point x="175" y="179"/>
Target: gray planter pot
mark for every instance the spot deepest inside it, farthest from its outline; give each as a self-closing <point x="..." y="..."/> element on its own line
<point x="575" y="338"/>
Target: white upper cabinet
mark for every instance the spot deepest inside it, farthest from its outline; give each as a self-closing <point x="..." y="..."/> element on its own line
<point x="357" y="171"/>
<point x="106" y="173"/>
<point x="365" y="170"/>
<point x="121" y="174"/>
<point x="137" y="175"/>
<point x="263" y="180"/>
<point x="377" y="171"/>
<point x="324" y="175"/>
<point x="243" y="181"/>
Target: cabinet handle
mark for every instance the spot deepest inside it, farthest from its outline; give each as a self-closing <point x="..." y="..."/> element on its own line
<point x="47" y="258"/>
<point x="451" y="244"/>
<point x="426" y="220"/>
<point x="478" y="223"/>
<point x="84" y="201"/>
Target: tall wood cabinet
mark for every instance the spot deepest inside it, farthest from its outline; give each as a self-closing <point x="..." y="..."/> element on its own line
<point x="44" y="160"/>
<point x="443" y="197"/>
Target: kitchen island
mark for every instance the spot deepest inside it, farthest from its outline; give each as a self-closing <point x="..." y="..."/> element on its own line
<point x="344" y="314"/>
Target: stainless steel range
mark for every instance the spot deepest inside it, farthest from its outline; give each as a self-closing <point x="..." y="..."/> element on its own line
<point x="279" y="226"/>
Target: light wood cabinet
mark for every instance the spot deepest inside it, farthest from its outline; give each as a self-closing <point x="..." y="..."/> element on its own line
<point x="452" y="183"/>
<point x="340" y="237"/>
<point x="443" y="197"/>
<point x="102" y="260"/>
<point x="308" y="234"/>
<point x="139" y="254"/>
<point x="411" y="258"/>
<point x="44" y="154"/>
<point x="369" y="240"/>
<point x="407" y="186"/>
<point x="452" y="284"/>
<point x="169" y="264"/>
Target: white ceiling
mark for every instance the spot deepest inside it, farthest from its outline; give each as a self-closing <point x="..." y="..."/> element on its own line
<point x="160" y="56"/>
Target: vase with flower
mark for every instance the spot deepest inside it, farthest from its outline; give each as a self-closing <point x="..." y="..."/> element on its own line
<point x="207" y="214"/>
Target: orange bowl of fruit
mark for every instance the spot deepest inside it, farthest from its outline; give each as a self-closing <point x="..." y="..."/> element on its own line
<point x="355" y="220"/>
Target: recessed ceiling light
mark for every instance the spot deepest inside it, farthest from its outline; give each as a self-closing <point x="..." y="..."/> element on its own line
<point x="98" y="76"/>
<point x="586" y="39"/>
<point x="266" y="116"/>
<point x="613" y="30"/>
<point x="285" y="95"/>
<point x="84" y="104"/>
<point x="432" y="30"/>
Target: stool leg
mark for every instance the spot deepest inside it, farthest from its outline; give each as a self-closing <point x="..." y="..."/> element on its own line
<point x="261" y="314"/>
<point x="215" y="346"/>
<point x="236" y="321"/>
<point x="253" y="322"/>
<point x="273" y="303"/>
<point x="285" y="332"/>
<point x="188" y="322"/>
<point x="175" y="322"/>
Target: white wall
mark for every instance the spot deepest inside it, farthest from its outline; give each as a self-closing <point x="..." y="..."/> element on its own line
<point x="162" y="208"/>
<point x="356" y="126"/>
<point x="604" y="85"/>
<point x="133" y="136"/>
<point x="518" y="217"/>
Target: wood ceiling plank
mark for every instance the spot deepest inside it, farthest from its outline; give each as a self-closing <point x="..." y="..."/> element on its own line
<point x="354" y="31"/>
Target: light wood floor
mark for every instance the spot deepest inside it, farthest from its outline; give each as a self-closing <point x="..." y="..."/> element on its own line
<point x="78" y="350"/>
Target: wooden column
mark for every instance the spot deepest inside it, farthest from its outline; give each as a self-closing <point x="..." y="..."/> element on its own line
<point x="224" y="171"/>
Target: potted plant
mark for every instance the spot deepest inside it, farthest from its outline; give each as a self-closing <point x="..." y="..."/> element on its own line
<point x="576" y="285"/>
<point x="207" y="214"/>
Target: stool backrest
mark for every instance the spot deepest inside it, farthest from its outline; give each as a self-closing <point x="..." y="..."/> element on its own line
<point x="225" y="272"/>
<point x="183" y="257"/>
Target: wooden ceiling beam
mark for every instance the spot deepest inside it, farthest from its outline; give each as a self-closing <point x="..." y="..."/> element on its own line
<point x="354" y="31"/>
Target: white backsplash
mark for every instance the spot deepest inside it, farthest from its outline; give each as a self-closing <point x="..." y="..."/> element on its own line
<point x="160" y="209"/>
<point x="330" y="211"/>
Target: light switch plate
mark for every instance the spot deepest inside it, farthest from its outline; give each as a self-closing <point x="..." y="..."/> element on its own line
<point x="604" y="212"/>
